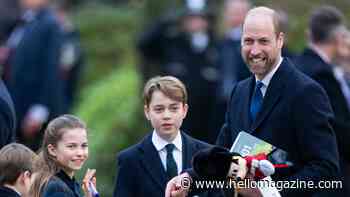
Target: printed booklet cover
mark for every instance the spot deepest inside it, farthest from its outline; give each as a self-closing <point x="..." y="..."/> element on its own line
<point x="247" y="144"/>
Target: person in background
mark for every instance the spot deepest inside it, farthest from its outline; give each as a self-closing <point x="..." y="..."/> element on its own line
<point x="35" y="82"/>
<point x="185" y="47"/>
<point x="284" y="24"/>
<point x="231" y="66"/>
<point x="9" y="11"/>
<point x="72" y="57"/>
<point x="7" y="117"/>
<point x="326" y="37"/>
<point x="9" y="19"/>
<point x="343" y="59"/>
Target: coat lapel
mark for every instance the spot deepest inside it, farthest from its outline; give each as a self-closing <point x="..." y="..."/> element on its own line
<point x="243" y="105"/>
<point x="272" y="95"/>
<point x="246" y="98"/>
<point x="187" y="150"/>
<point x="152" y="163"/>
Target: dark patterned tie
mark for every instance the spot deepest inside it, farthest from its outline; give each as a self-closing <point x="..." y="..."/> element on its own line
<point x="171" y="167"/>
<point x="257" y="99"/>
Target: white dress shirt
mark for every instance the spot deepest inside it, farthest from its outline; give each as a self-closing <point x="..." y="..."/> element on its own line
<point x="266" y="80"/>
<point x="160" y="144"/>
<point x="340" y="76"/>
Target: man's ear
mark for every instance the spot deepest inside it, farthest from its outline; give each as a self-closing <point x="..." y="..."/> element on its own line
<point x="146" y="111"/>
<point x="280" y="40"/>
<point x="52" y="150"/>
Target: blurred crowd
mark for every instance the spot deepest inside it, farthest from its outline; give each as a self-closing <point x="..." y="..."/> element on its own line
<point x="41" y="58"/>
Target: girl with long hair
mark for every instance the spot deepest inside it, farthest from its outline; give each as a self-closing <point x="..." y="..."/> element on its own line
<point x="64" y="151"/>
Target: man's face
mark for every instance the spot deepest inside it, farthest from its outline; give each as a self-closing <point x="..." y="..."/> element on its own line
<point x="165" y="114"/>
<point x="193" y="24"/>
<point x="343" y="46"/>
<point x="235" y="12"/>
<point x="32" y="4"/>
<point x="261" y="47"/>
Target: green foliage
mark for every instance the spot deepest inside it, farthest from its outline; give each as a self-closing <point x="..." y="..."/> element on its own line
<point x="112" y="111"/>
<point x="107" y="35"/>
<point x="110" y="100"/>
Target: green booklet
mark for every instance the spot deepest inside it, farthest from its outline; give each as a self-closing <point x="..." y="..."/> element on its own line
<point x="247" y="144"/>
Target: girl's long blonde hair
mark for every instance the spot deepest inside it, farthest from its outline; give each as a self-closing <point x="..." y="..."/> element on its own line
<point x="46" y="166"/>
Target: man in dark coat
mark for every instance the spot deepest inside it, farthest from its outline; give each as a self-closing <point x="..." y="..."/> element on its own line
<point x="281" y="106"/>
<point x="7" y="117"/>
<point x="327" y="31"/>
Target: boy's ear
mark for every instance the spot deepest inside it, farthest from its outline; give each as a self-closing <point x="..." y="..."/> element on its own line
<point x="146" y="111"/>
<point x="27" y="174"/>
<point x="23" y="176"/>
<point x="52" y="150"/>
<point x="185" y="110"/>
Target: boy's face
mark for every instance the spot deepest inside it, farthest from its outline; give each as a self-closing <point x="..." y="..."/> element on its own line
<point x="166" y="115"/>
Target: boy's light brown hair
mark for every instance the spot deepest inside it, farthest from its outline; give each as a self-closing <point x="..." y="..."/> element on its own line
<point x="15" y="159"/>
<point x="168" y="85"/>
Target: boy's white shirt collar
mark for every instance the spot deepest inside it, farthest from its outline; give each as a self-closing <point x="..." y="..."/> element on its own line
<point x="160" y="143"/>
<point x="266" y="80"/>
<point x="14" y="189"/>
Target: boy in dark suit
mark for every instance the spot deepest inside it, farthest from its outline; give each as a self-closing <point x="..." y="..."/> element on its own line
<point x="16" y="163"/>
<point x="145" y="168"/>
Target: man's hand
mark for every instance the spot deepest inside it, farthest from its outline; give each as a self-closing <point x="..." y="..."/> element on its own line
<point x="178" y="186"/>
<point x="30" y="127"/>
<point x="34" y="119"/>
<point x="249" y="192"/>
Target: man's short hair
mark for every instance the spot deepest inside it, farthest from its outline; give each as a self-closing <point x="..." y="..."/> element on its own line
<point x="268" y="12"/>
<point x="324" y="22"/>
<point x="168" y="85"/>
<point x="15" y="159"/>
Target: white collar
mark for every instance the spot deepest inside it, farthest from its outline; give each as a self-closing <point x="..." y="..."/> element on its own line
<point x="160" y="143"/>
<point x="319" y="52"/>
<point x="235" y="33"/>
<point x="13" y="188"/>
<point x="29" y="15"/>
<point x="266" y="80"/>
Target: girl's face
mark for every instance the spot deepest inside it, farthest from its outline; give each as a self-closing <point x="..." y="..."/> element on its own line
<point x="72" y="150"/>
